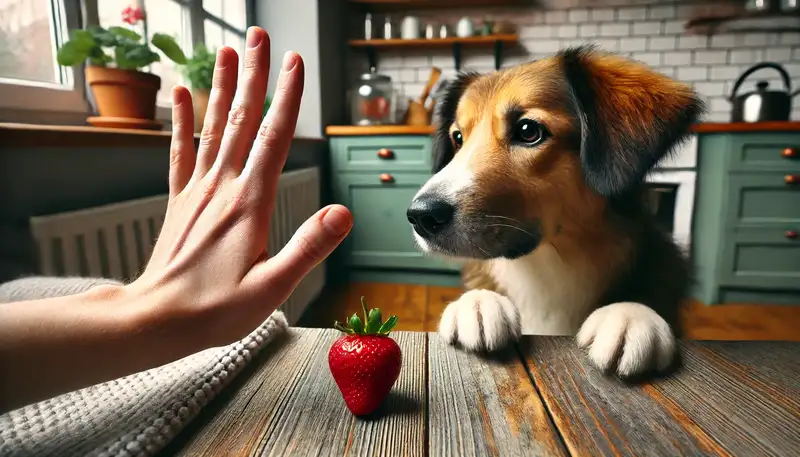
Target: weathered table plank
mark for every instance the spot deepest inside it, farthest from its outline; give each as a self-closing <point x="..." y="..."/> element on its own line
<point x="485" y="407"/>
<point x="398" y="427"/>
<point x="290" y="405"/>
<point x="712" y="406"/>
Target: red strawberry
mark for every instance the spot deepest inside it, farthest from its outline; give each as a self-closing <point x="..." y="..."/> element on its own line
<point x="365" y="362"/>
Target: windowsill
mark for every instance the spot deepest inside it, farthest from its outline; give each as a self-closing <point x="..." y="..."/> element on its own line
<point x="38" y="135"/>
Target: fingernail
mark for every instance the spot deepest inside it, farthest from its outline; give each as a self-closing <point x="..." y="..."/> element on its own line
<point x="253" y="37"/>
<point x="289" y="61"/>
<point x="336" y="222"/>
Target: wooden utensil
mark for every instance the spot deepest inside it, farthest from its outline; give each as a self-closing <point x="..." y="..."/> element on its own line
<point x="435" y="74"/>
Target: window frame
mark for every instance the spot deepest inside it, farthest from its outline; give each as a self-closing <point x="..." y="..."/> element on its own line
<point x="50" y="97"/>
<point x="31" y="96"/>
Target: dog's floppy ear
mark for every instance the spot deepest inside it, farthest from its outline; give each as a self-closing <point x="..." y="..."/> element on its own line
<point x="630" y="115"/>
<point x="445" y="116"/>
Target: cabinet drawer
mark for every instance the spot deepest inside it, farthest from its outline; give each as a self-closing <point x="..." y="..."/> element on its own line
<point x="765" y="151"/>
<point x="381" y="235"/>
<point x="382" y="153"/>
<point x="762" y="257"/>
<point x="760" y="198"/>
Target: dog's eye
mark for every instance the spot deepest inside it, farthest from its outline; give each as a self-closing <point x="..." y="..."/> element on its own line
<point x="458" y="139"/>
<point x="529" y="132"/>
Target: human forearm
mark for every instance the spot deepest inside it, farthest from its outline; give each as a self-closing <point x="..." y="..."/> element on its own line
<point x="55" y="345"/>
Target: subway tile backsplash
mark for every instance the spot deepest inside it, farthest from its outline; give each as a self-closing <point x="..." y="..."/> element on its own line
<point x="653" y="34"/>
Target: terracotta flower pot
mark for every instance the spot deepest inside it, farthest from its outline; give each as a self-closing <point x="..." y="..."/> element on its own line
<point x="200" y="104"/>
<point x="124" y="93"/>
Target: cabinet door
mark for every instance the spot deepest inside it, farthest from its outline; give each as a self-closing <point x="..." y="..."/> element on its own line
<point x="381" y="235"/>
<point x="762" y="257"/>
<point x="410" y="153"/>
<point x="763" y="198"/>
<point x="778" y="151"/>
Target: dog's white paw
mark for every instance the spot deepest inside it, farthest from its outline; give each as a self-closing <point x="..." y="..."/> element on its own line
<point x="630" y="337"/>
<point x="480" y="320"/>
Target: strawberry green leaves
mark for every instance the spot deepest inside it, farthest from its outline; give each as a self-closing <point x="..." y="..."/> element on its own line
<point x="372" y="325"/>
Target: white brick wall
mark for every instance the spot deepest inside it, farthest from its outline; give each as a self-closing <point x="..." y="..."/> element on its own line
<point x="653" y="34"/>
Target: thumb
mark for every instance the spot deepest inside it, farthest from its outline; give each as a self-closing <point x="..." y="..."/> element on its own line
<point x="313" y="242"/>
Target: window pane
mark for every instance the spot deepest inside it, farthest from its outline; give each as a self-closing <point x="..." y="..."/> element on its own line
<point x="234" y="12"/>
<point x="110" y="14"/>
<point x="27" y="45"/>
<point x="171" y="18"/>
<point x="234" y="40"/>
<point x="213" y="35"/>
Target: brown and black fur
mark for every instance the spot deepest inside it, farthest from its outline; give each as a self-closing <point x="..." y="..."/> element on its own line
<point x="619" y="120"/>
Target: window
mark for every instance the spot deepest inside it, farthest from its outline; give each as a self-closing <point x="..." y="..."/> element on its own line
<point x="31" y="31"/>
<point x="225" y="24"/>
<point x="161" y="16"/>
<point x="24" y="26"/>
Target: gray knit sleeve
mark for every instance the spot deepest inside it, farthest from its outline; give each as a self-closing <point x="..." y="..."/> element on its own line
<point x="36" y="287"/>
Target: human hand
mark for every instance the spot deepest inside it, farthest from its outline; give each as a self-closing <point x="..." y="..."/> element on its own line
<point x="210" y="273"/>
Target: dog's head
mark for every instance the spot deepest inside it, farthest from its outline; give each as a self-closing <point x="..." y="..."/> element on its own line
<point x="538" y="150"/>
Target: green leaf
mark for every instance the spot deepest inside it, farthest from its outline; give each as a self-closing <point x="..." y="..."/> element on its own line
<point x="83" y="39"/>
<point x="134" y="57"/>
<point x="99" y="58"/>
<point x="103" y="37"/>
<point x="342" y="327"/>
<point x="169" y="47"/>
<point x="124" y="33"/>
<point x="388" y="326"/>
<point x="72" y="53"/>
<point x="356" y="325"/>
<point x="374" y="322"/>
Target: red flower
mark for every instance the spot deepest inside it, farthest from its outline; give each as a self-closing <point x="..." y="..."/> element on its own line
<point x="132" y="15"/>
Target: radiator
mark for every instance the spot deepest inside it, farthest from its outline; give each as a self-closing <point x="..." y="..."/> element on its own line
<point x="115" y="241"/>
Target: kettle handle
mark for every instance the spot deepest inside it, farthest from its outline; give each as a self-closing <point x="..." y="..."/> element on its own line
<point x="784" y="76"/>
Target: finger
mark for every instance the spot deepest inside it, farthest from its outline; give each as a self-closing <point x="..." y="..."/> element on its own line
<point x="182" y="155"/>
<point x="271" y="146"/>
<point x="248" y="103"/>
<point x="223" y="86"/>
<point x="313" y="242"/>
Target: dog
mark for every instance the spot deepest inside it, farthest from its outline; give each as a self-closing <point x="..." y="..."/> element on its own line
<point x="538" y="190"/>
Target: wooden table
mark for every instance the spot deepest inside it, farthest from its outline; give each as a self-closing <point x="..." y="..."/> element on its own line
<point x="540" y="398"/>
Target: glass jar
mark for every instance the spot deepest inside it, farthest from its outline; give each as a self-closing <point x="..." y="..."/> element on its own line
<point x="372" y="101"/>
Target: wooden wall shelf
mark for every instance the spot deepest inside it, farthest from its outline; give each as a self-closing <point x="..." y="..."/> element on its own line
<point x="388" y="5"/>
<point x="710" y="24"/>
<point x="370" y="46"/>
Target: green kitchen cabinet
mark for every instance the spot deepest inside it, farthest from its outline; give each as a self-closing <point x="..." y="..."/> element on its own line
<point x="377" y="177"/>
<point x="746" y="246"/>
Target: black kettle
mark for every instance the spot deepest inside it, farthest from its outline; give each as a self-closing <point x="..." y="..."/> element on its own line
<point x="762" y="105"/>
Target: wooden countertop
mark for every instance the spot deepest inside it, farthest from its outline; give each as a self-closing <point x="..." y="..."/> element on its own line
<point x="706" y="127"/>
<point x="732" y="127"/>
<point x="366" y="130"/>
<point x="538" y="398"/>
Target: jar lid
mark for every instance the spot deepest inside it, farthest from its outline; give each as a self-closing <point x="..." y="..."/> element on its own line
<point x="374" y="76"/>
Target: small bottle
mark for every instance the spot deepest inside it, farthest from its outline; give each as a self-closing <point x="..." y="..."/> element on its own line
<point x="368" y="27"/>
<point x="387" y="28"/>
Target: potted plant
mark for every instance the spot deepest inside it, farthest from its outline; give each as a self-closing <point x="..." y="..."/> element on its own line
<point x="199" y="71"/>
<point x="124" y="94"/>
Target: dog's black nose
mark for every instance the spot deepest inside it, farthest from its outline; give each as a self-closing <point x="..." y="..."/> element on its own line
<point x="429" y="216"/>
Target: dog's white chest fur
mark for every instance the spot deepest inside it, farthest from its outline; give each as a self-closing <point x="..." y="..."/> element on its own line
<point x="553" y="298"/>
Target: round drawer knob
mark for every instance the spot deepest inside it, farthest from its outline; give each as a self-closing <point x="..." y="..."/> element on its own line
<point x="384" y="153"/>
<point x="791" y="179"/>
<point x="790" y="153"/>
<point x="386" y="177"/>
<point x="791" y="234"/>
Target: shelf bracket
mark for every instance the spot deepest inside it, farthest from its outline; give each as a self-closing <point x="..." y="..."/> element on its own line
<point x="498" y="54"/>
<point x="371" y="57"/>
<point x="457" y="56"/>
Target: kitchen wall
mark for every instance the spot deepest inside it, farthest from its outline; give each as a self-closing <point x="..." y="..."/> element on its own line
<point x="653" y="34"/>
